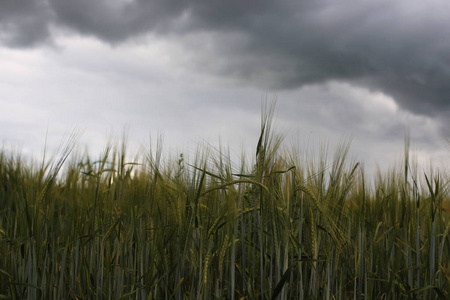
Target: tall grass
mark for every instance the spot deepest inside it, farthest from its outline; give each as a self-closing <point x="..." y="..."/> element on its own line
<point x="280" y="226"/>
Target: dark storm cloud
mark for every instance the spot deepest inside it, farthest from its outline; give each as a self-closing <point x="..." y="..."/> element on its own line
<point x="117" y="20"/>
<point x="401" y="48"/>
<point x="24" y="23"/>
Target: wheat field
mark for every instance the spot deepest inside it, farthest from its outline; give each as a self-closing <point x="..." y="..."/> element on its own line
<point x="276" y="226"/>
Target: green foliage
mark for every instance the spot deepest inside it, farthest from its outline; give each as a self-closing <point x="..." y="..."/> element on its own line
<point x="281" y="228"/>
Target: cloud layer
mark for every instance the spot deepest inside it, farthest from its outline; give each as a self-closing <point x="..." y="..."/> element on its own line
<point x="401" y="48"/>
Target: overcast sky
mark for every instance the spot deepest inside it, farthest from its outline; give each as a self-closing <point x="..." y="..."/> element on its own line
<point x="198" y="70"/>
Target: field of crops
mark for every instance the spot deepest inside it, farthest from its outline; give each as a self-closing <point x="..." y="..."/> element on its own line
<point x="280" y="225"/>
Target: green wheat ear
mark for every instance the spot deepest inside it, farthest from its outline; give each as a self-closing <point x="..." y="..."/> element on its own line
<point x="3" y="233"/>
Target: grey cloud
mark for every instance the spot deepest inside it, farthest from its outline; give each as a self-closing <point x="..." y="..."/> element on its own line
<point x="24" y="23"/>
<point x="398" y="47"/>
<point x="115" y="21"/>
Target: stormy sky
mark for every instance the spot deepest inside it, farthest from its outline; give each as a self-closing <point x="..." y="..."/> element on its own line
<point x="197" y="71"/>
